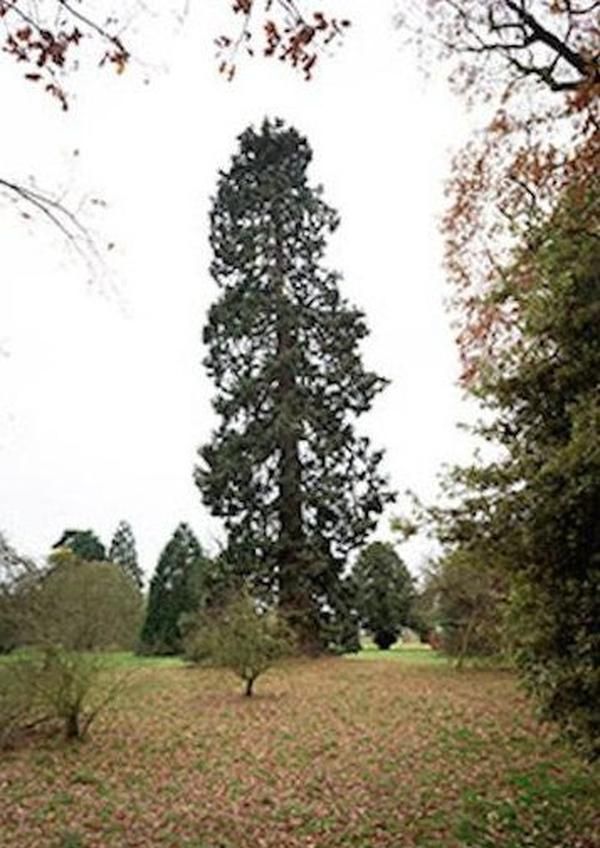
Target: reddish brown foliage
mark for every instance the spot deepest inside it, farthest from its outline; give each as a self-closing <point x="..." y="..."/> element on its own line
<point x="289" y="34"/>
<point x="51" y="39"/>
<point x="44" y="37"/>
<point x="539" y="64"/>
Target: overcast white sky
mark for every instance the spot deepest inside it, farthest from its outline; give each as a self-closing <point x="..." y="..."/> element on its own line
<point x="103" y="396"/>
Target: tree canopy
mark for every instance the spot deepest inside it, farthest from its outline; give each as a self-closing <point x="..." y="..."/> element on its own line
<point x="80" y="605"/>
<point x="83" y="543"/>
<point x="52" y="39"/>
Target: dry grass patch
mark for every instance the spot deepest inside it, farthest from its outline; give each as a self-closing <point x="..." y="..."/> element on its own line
<point x="330" y="753"/>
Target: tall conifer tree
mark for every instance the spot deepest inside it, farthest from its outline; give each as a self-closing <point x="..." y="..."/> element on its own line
<point x="123" y="552"/>
<point x="297" y="487"/>
<point x="174" y="590"/>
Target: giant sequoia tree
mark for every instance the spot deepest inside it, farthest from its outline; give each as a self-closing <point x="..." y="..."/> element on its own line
<point x="296" y="486"/>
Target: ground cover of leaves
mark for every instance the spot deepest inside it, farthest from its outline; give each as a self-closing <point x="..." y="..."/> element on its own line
<point x="334" y="752"/>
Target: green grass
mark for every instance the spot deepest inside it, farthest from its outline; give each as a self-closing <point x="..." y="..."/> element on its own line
<point x="127" y="659"/>
<point x="112" y="659"/>
<point x="412" y="654"/>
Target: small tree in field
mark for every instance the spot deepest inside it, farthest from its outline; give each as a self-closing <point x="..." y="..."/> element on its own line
<point x="68" y="614"/>
<point x="240" y="637"/>
<point x="57" y="685"/>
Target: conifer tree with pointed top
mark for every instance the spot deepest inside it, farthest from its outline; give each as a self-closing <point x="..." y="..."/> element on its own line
<point x="174" y="590"/>
<point x="297" y="487"/>
<point x="123" y="552"/>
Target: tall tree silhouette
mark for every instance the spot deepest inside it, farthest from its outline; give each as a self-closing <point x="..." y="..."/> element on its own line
<point x="297" y="487"/>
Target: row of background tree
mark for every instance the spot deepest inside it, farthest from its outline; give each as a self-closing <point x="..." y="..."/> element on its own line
<point x="85" y="600"/>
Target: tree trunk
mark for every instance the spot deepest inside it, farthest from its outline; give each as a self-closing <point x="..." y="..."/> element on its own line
<point x="294" y="598"/>
<point x="249" y="685"/>
<point x="72" y="730"/>
<point x="464" y="645"/>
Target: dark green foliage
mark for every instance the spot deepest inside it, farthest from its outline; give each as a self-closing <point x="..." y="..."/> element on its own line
<point x="297" y="488"/>
<point x="546" y="390"/>
<point x="536" y="511"/>
<point x="83" y="543"/>
<point x="123" y="553"/>
<point x="175" y="589"/>
<point x="384" y="592"/>
<point x="339" y="621"/>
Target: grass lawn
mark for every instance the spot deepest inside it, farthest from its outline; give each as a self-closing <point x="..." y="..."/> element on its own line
<point x="334" y="752"/>
<point x="413" y="653"/>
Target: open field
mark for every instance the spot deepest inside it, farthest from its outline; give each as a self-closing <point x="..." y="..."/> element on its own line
<point x="334" y="752"/>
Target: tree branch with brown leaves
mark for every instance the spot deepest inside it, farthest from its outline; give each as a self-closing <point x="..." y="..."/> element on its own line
<point x="52" y="39"/>
<point x="291" y="32"/>
<point x="538" y="61"/>
<point x="46" y="38"/>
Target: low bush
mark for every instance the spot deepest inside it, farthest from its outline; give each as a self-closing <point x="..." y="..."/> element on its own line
<point x="241" y="637"/>
<point x="67" y="689"/>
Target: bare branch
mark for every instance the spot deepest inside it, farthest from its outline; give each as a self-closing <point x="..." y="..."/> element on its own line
<point x="77" y="236"/>
<point x="559" y="46"/>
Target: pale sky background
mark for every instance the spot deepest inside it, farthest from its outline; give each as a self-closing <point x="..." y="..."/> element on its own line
<point x="103" y="395"/>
